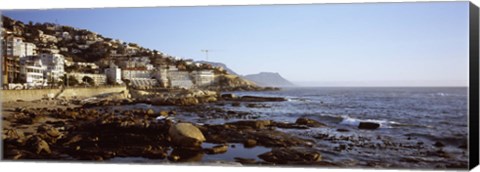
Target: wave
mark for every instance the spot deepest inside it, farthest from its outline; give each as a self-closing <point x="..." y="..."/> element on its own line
<point x="355" y="122"/>
<point x="296" y="99"/>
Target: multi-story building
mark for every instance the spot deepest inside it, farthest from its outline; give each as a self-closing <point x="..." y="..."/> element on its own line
<point x="55" y="66"/>
<point x="140" y="77"/>
<point x="98" y="79"/>
<point x="13" y="46"/>
<point x="179" y="79"/>
<point x="11" y="69"/>
<point x="136" y="73"/>
<point x="203" y="78"/>
<point x="33" y="71"/>
<point x="161" y="74"/>
<point x="86" y="65"/>
<point x="28" y="49"/>
<point x="114" y="74"/>
<point x="14" y="50"/>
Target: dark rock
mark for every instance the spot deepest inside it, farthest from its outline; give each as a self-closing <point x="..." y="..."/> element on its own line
<point x="150" y="112"/>
<point x="49" y="130"/>
<point x="438" y="144"/>
<point x="13" y="154"/>
<point x="257" y="124"/>
<point x="250" y="143"/>
<point x="154" y="153"/>
<point x="14" y="135"/>
<point x="38" y="145"/>
<point x="291" y="155"/>
<point x="228" y="96"/>
<point x="245" y="160"/>
<point x="163" y="113"/>
<point x="368" y="125"/>
<point x="309" y="122"/>
<point x="186" y="155"/>
<point x="217" y="149"/>
<point x="342" y="130"/>
<point x="289" y="125"/>
<point x="262" y="99"/>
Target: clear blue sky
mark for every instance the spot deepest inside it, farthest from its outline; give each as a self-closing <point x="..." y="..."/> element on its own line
<point x="372" y="44"/>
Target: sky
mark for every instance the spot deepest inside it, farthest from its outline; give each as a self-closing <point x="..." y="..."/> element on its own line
<point x="369" y="44"/>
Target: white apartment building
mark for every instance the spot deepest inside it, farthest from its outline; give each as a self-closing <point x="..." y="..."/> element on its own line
<point x="16" y="47"/>
<point x="55" y="65"/>
<point x="32" y="71"/>
<point x="131" y="74"/>
<point x="28" y="49"/>
<point x="98" y="79"/>
<point x="161" y="74"/>
<point x="114" y="74"/>
<point x="13" y="46"/>
<point x="180" y="79"/>
<point x="85" y="64"/>
<point x="203" y="78"/>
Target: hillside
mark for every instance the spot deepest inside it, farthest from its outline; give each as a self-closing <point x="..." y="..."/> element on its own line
<point x="82" y="45"/>
<point x="269" y="79"/>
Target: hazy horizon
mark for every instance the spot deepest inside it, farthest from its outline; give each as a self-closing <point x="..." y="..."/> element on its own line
<point x="371" y="44"/>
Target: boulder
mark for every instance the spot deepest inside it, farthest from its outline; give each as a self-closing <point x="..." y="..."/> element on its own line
<point x="289" y="125"/>
<point x="38" y="145"/>
<point x="368" y="125"/>
<point x="438" y="144"/>
<point x="245" y="160"/>
<point x="228" y="96"/>
<point x="186" y="101"/>
<point x="262" y="99"/>
<point x="163" y="113"/>
<point x="49" y="130"/>
<point x="309" y="122"/>
<point x="257" y="124"/>
<point x="250" y="143"/>
<point x="217" y="149"/>
<point x="14" y="134"/>
<point x="287" y="155"/>
<point x="150" y="112"/>
<point x="186" y="135"/>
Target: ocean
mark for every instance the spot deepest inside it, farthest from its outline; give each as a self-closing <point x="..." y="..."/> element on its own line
<point x="425" y="127"/>
<point x="416" y="118"/>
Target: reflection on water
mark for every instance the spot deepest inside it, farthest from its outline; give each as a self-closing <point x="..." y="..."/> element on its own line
<point x="238" y="150"/>
<point x="234" y="150"/>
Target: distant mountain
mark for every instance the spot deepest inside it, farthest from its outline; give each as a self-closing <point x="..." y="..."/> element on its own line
<point x="269" y="79"/>
<point x="230" y="71"/>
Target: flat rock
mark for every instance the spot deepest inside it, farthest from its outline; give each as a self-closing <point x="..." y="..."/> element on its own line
<point x="309" y="122"/>
<point x="217" y="149"/>
<point x="287" y="155"/>
<point x="257" y="124"/>
<point x="368" y="125"/>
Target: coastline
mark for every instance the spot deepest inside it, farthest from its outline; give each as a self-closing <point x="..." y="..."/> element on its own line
<point x="274" y="138"/>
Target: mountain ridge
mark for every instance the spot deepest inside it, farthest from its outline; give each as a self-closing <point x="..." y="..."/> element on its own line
<point x="269" y="79"/>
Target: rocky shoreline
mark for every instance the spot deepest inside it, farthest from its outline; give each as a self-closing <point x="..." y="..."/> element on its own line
<point x="90" y="130"/>
<point x="84" y="130"/>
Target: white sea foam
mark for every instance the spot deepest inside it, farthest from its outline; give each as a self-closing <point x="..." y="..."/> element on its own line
<point x="355" y="122"/>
